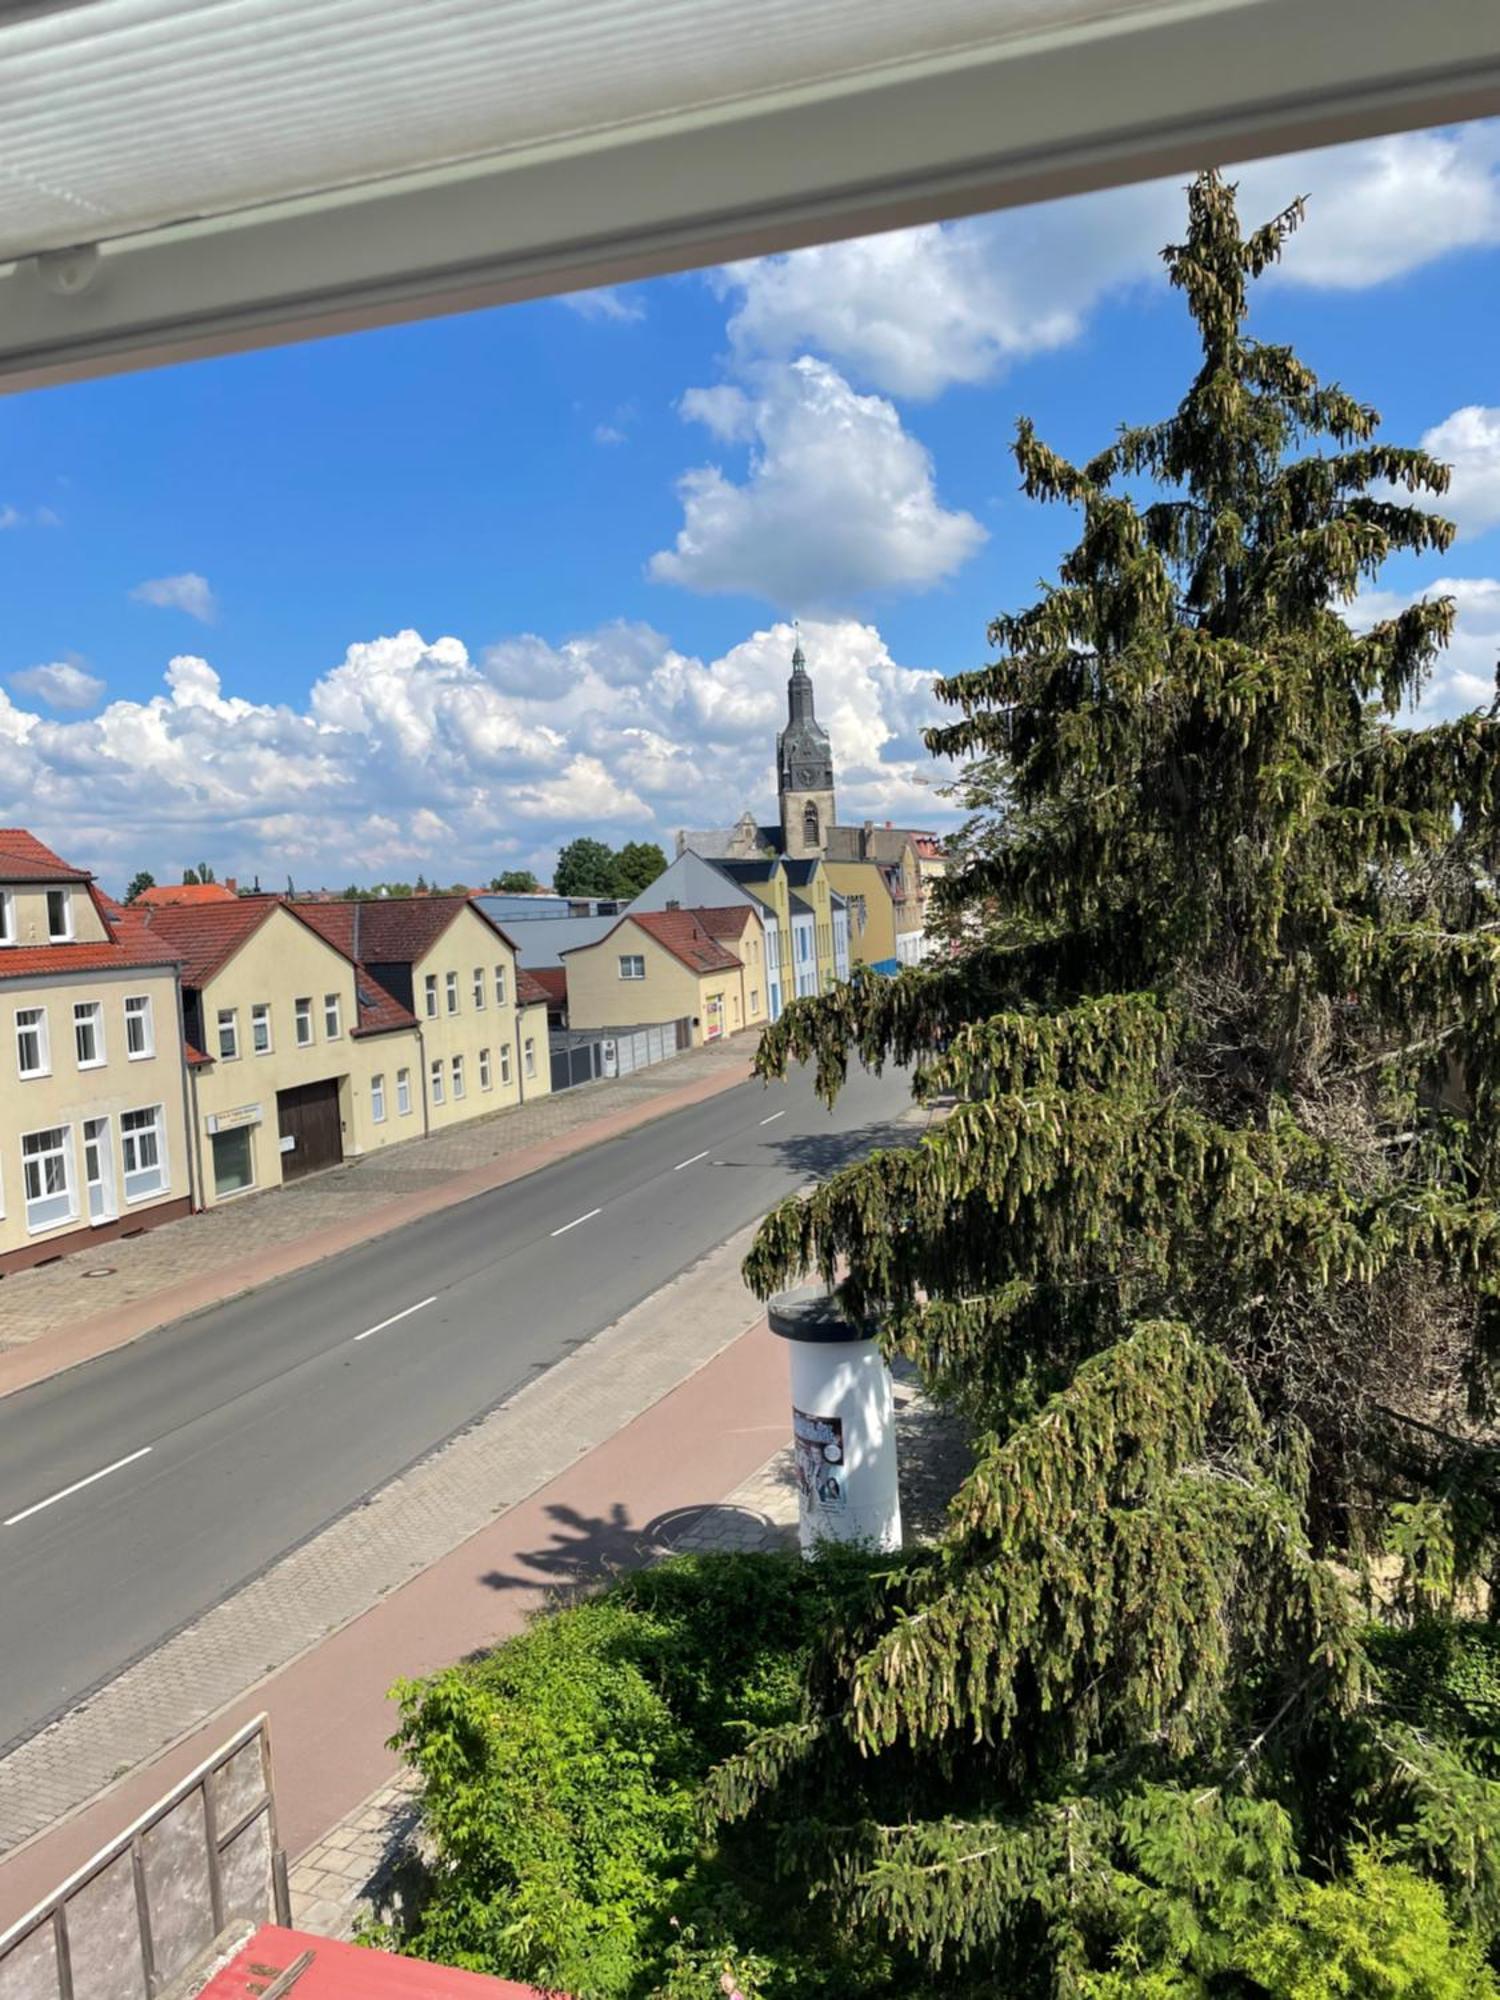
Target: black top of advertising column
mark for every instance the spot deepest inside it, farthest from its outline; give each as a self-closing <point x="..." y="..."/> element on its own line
<point x="811" y="1313"/>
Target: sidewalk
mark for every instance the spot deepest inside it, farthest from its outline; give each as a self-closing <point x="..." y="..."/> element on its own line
<point x="56" y="1315"/>
<point x="355" y="1872"/>
<point x="588" y="1466"/>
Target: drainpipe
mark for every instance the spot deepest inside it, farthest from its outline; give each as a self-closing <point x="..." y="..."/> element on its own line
<point x="196" y="1197"/>
<point x="422" y="1077"/>
<point x="520" y="1066"/>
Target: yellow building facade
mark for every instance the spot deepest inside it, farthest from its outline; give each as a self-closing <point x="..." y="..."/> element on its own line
<point x="93" y="1114"/>
<point x="660" y="966"/>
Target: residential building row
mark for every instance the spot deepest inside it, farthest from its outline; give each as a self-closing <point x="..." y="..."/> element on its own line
<point x="177" y="1056"/>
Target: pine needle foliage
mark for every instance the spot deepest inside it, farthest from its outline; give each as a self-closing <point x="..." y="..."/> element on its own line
<point x="1209" y="1238"/>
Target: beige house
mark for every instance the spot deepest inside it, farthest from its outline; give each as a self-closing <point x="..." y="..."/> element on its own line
<point x="93" y="1124"/>
<point x="304" y="1046"/>
<point x="663" y="965"/>
<point x="480" y="1024"/>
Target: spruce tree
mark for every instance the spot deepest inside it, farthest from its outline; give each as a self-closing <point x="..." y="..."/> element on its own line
<point x="1208" y="1242"/>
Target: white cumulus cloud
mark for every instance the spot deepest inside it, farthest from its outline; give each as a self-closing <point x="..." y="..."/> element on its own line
<point x="409" y="754"/>
<point x="188" y="592"/>
<point x="914" y="312"/>
<point x="1468" y="441"/>
<point x="1465" y="674"/>
<point x="838" y="498"/>
<point x="60" y="684"/>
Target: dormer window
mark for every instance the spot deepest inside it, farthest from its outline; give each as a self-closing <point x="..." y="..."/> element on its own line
<point x="59" y="916"/>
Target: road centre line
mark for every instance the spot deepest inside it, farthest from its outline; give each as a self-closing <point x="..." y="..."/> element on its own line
<point x="576" y="1220"/>
<point x="381" y="1325"/>
<point x="77" y="1487"/>
<point x="773" y="1117"/>
<point x="693" y="1161"/>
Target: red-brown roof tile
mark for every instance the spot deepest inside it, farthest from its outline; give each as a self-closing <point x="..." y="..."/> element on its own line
<point x="679" y="932"/>
<point x="727" y="922"/>
<point x="34" y="961"/>
<point x="553" y="981"/>
<point x="206" y="937"/>
<point x="534" y="989"/>
<point x="379" y="1010"/>
<point x="23" y="858"/>
<point x="390" y="930"/>
<point x="188" y="893"/>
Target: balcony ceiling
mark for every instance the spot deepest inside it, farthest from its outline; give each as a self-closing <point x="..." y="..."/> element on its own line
<point x="183" y="177"/>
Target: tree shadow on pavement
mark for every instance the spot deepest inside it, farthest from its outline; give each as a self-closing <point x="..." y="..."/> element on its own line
<point x="585" y="1550"/>
<point x="818" y="1154"/>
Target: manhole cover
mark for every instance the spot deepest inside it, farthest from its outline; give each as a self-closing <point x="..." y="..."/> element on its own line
<point x="101" y="1271"/>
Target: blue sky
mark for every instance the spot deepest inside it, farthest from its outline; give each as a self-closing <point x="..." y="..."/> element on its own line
<point x="440" y="596"/>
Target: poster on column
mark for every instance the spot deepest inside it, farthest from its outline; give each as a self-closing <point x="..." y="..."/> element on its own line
<point x="818" y="1444"/>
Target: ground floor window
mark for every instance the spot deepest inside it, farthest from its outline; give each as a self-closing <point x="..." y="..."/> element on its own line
<point x="437" y="1079"/>
<point x="403" y="1092"/>
<point x="504" y="1062"/>
<point x="458" y="1076"/>
<point x="144" y="1153"/>
<point x="377" y="1099"/>
<point x="484" y="1069"/>
<point x="234" y="1167"/>
<point x="47" y="1172"/>
<point x="528" y="1049"/>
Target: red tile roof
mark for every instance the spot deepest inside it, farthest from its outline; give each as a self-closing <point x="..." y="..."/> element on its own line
<point x="679" y="932"/>
<point x="336" y="1971"/>
<point x="379" y="1010"/>
<point x="552" y="980"/>
<point x="170" y="894"/>
<point x="23" y="858"/>
<point x="207" y="936"/>
<point x="392" y="930"/>
<point x="533" y="989"/>
<point x="730" y="921"/>
<point x="37" y="961"/>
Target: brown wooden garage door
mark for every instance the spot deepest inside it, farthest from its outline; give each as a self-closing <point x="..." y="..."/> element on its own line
<point x="309" y="1117"/>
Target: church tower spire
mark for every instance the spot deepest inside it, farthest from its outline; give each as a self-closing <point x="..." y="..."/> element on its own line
<point x="804" y="767"/>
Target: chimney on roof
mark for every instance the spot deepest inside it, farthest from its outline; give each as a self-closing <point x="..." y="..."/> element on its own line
<point x="231" y="885"/>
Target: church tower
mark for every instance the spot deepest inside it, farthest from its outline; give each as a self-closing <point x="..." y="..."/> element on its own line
<point x="804" y="769"/>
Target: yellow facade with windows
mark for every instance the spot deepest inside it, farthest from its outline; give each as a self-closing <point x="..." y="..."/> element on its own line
<point x="480" y="1051"/>
<point x="629" y="980"/>
<point x="872" y="914"/>
<point x="93" y="1119"/>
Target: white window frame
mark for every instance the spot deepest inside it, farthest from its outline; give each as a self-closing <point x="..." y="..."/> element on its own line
<point x="478" y="987"/>
<point x="260" y="1017"/>
<point x="228" y="1017"/>
<point x="629" y="961"/>
<point x="333" y="1020"/>
<point x="460" y="1079"/>
<point x="65" y="935"/>
<point x="129" y="1135"/>
<point x="302" y="1017"/>
<point x="499" y="985"/>
<point x="403" y="1093"/>
<point x="90" y="1014"/>
<point x="377" y="1098"/>
<point x="429" y="995"/>
<point x="138" y="1009"/>
<point x="486" y="1076"/>
<point x="450" y="984"/>
<point x="435" y="1079"/>
<point x="505" y="1062"/>
<point x="528" y="1056"/>
<point x="97" y="1133"/>
<point x="7" y="918"/>
<point x="35" y="1023"/>
<point x="66" y="1194"/>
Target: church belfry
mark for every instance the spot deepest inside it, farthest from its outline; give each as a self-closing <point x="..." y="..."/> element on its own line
<point x="804" y="769"/>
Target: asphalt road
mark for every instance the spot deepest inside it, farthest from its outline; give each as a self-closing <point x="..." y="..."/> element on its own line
<point x="139" y="1490"/>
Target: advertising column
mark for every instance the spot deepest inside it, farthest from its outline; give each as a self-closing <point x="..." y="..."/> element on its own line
<point x="843" y="1431"/>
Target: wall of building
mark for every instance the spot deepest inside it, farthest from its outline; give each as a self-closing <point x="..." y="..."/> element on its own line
<point x="874" y="943"/>
<point x="69" y="1094"/>
<point x="281" y="962"/>
<point x="476" y="1025"/>
<point x="599" y="998"/>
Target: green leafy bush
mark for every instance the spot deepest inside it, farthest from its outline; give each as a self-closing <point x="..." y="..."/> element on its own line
<point x="561" y="1781"/>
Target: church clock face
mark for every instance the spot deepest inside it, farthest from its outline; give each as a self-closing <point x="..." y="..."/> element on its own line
<point x="805" y="777"/>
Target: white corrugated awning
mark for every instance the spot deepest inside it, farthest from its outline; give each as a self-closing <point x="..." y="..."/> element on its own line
<point x="182" y="177"/>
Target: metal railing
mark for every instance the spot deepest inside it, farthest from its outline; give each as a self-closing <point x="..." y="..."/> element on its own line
<point x="130" y="1923"/>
